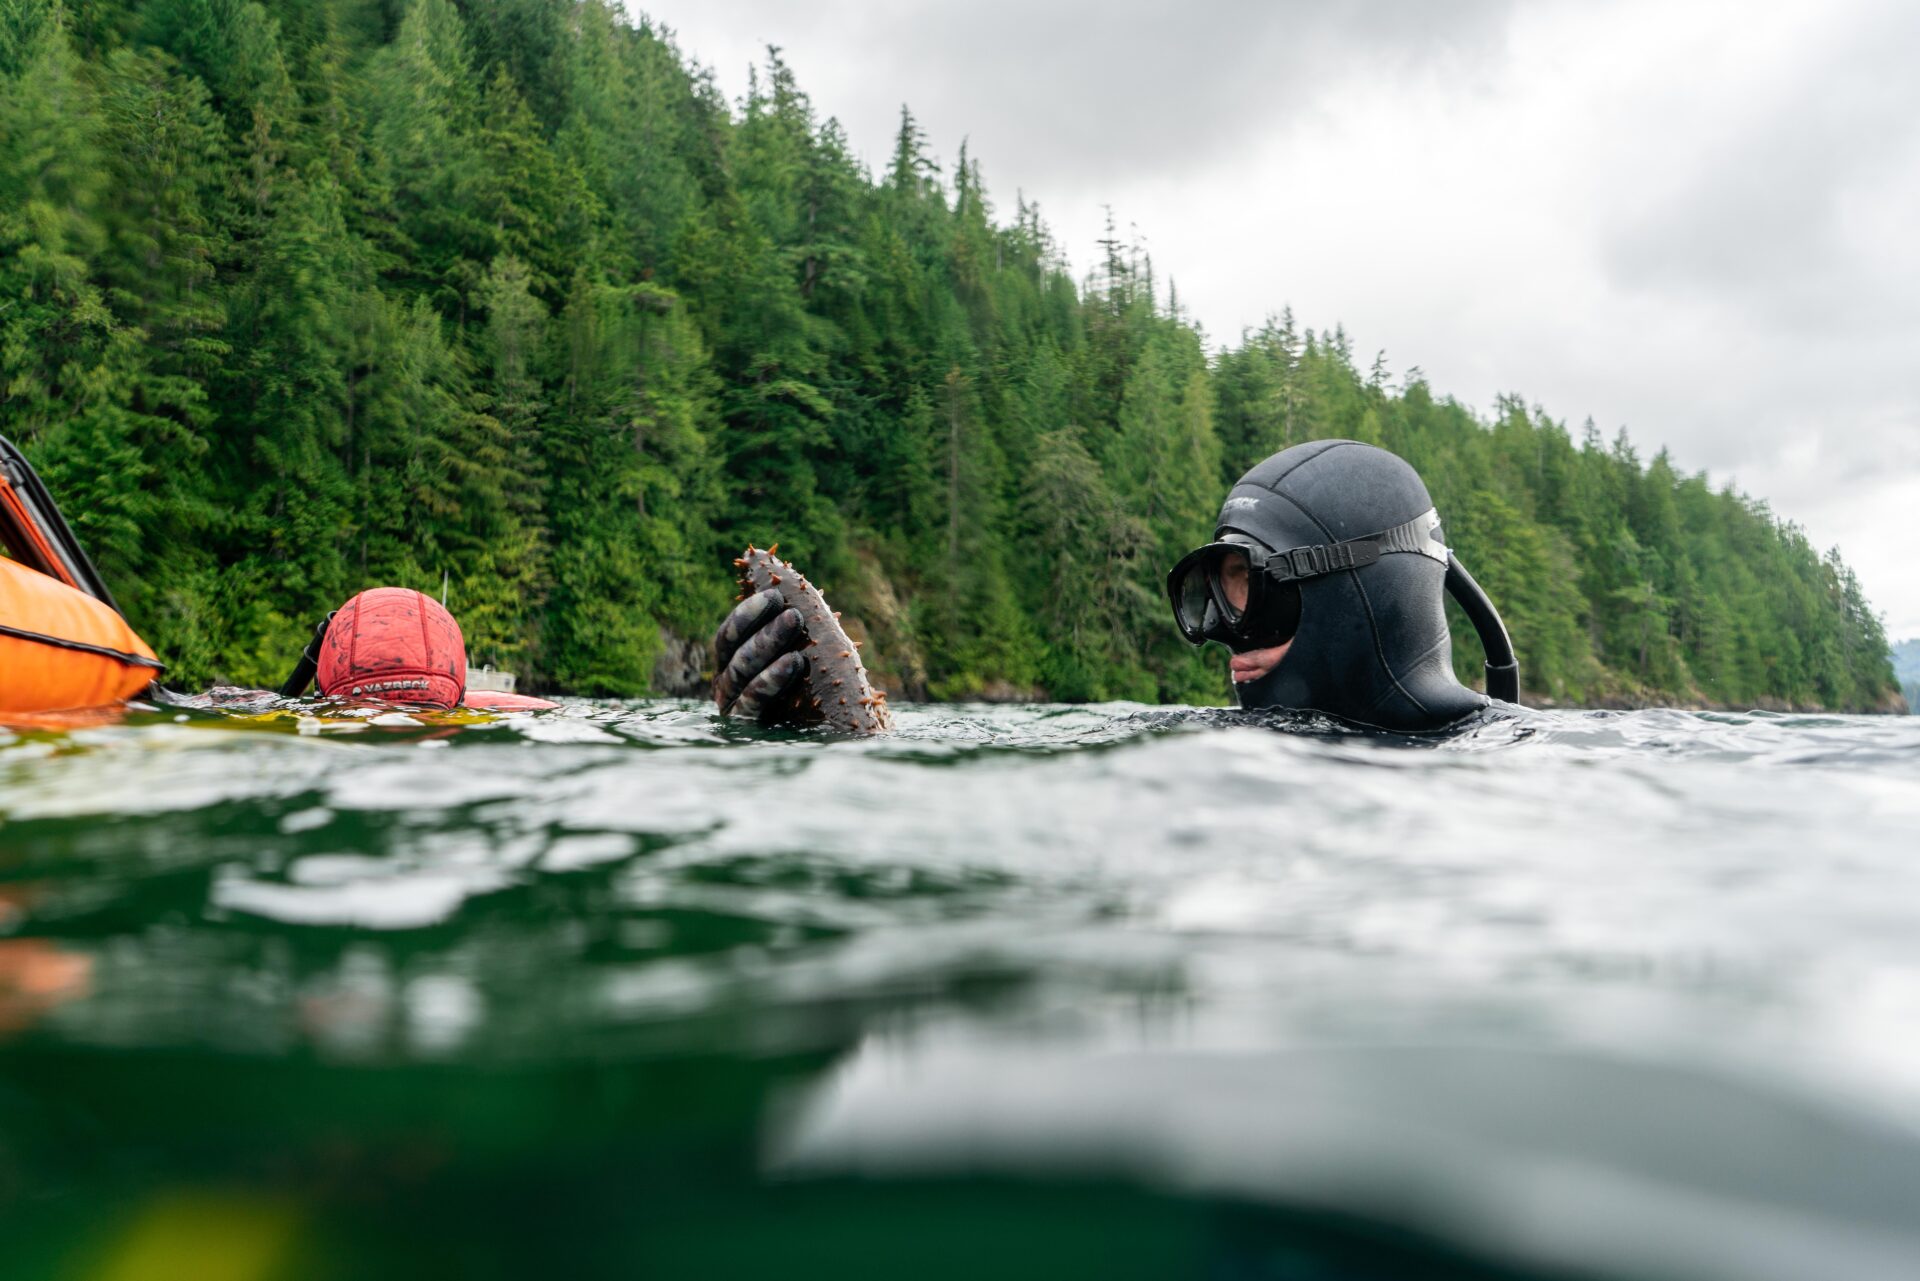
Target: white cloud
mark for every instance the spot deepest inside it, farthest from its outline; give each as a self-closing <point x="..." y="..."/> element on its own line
<point x="1697" y="221"/>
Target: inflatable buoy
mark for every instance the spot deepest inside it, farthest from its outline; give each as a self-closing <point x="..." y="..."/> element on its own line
<point x="63" y="645"/>
<point x="62" y="650"/>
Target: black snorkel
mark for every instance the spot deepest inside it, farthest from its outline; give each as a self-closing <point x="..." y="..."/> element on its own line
<point x="1503" y="667"/>
<point x="309" y="665"/>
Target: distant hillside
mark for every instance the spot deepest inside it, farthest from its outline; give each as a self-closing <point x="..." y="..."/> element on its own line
<point x="1906" y="660"/>
<point x="1906" y="670"/>
<point x="304" y="296"/>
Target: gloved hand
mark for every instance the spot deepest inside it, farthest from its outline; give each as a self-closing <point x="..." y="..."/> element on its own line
<point x="758" y="670"/>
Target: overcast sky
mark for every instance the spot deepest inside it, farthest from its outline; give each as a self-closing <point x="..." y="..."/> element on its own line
<point x="1697" y="220"/>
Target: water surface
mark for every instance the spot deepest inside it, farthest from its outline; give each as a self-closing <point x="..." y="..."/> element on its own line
<point x="623" y="990"/>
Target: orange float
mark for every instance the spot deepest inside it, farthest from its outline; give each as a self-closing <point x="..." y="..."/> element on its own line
<point x="61" y="649"/>
<point x="63" y="644"/>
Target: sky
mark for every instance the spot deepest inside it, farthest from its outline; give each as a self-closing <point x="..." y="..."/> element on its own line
<point x="1698" y="221"/>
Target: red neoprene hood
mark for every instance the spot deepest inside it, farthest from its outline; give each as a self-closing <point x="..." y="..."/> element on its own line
<point x="395" y="645"/>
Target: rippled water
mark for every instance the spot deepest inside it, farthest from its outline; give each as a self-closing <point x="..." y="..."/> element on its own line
<point x="622" y="990"/>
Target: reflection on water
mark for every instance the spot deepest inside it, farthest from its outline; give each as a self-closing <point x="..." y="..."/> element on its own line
<point x="621" y="990"/>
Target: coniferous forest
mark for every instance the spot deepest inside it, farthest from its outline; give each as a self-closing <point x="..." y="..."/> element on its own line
<point x="504" y="296"/>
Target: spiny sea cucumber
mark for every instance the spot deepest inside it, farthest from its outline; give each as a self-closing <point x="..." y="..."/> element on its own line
<point x="838" y="689"/>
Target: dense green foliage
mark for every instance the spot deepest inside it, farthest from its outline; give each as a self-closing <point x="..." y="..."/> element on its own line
<point x="502" y="294"/>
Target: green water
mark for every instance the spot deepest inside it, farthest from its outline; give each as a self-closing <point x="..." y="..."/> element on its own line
<point x="623" y="991"/>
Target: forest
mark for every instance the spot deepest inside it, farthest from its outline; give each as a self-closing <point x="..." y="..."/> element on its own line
<point x="505" y="299"/>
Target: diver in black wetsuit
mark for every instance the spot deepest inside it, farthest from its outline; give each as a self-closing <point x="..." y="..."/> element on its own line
<point x="1325" y="579"/>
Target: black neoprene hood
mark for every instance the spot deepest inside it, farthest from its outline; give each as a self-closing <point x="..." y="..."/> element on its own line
<point x="1373" y="646"/>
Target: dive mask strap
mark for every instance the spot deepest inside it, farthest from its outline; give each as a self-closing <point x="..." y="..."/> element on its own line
<point x="1419" y="536"/>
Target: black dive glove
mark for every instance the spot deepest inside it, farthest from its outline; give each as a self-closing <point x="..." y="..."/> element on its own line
<point x="757" y="669"/>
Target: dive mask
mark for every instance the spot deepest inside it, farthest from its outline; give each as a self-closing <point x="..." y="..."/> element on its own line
<point x="1242" y="594"/>
<point x="1221" y="592"/>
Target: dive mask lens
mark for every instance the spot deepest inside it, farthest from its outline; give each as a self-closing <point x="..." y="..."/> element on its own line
<point x="1231" y="576"/>
<point x="1187" y="589"/>
<point x="1209" y="590"/>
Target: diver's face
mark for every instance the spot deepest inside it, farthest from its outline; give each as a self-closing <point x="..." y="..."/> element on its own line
<point x="1250" y="664"/>
<point x="1233" y="583"/>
